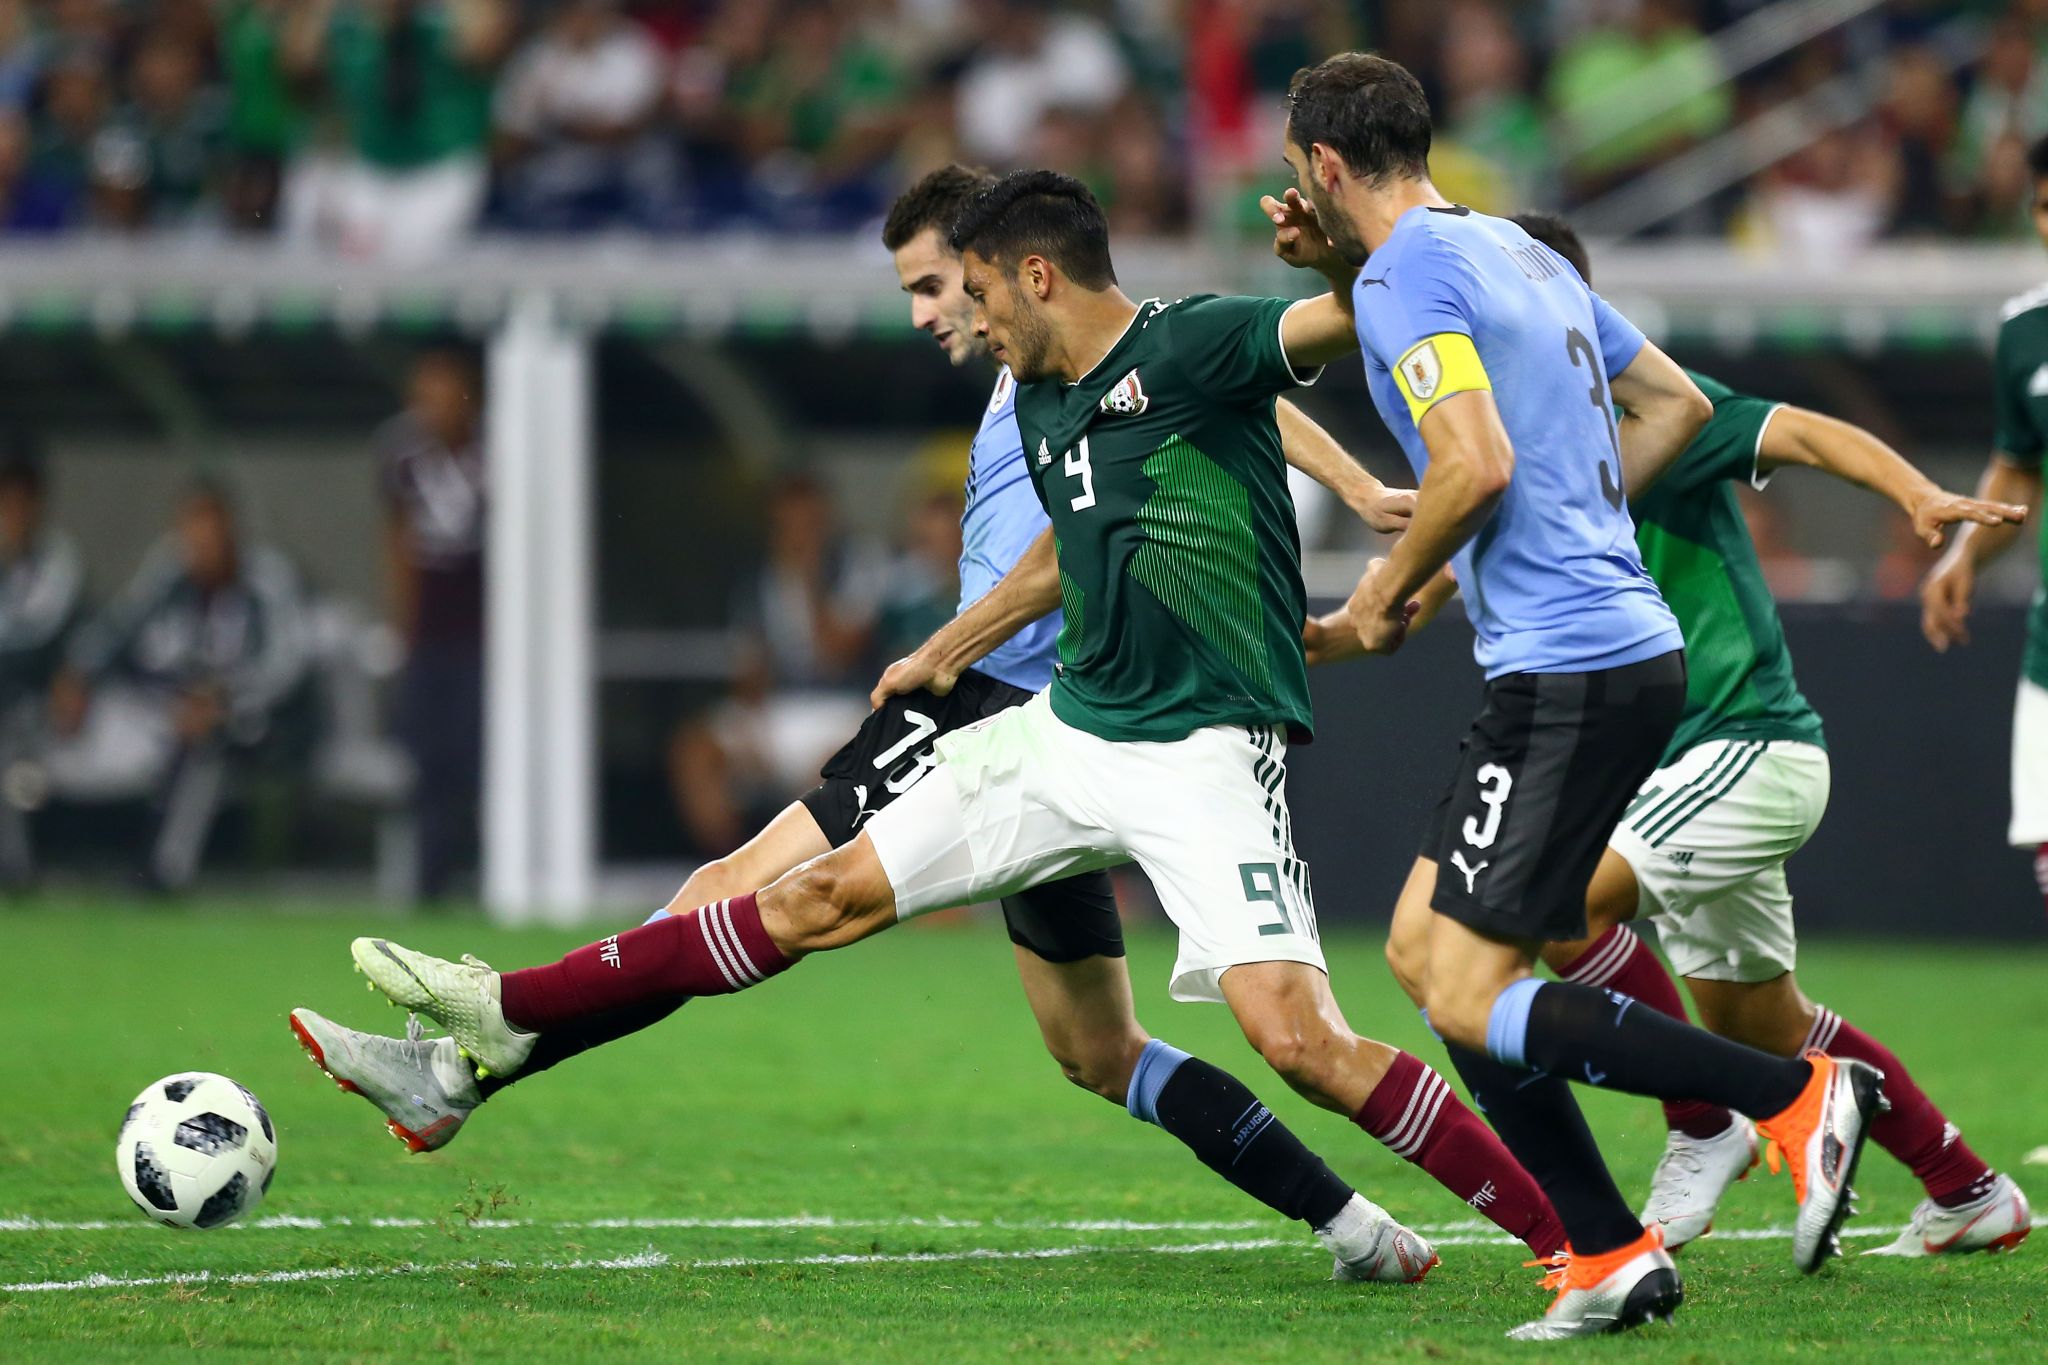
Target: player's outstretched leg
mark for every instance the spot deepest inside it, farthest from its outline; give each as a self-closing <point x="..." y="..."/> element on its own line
<point x="1707" y="1147"/>
<point x="1969" y="1206"/>
<point x="1289" y="1015"/>
<point x="1232" y="1133"/>
<point x="497" y="1018"/>
<point x="423" y="1087"/>
<point x="1816" y="1111"/>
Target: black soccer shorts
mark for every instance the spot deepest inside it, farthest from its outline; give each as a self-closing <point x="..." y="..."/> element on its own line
<point x="1543" y="778"/>
<point x="1063" y="921"/>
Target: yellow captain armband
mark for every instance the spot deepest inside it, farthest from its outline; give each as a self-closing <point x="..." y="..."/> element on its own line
<point x="1437" y="367"/>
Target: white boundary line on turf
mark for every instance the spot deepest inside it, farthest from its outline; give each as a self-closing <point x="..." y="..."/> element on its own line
<point x="1444" y="1234"/>
<point x="646" y="1260"/>
<point x="292" y="1222"/>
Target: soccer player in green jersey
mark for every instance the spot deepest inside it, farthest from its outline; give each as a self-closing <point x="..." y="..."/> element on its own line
<point x="1150" y="436"/>
<point x="1740" y="788"/>
<point x="2020" y="376"/>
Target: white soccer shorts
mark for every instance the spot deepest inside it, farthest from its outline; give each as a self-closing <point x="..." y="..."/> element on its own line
<point x="2029" y="828"/>
<point x="1708" y="837"/>
<point x="1023" y="797"/>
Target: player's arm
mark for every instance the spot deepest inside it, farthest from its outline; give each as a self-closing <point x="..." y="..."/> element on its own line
<point x="1328" y="638"/>
<point x="1030" y="590"/>
<point x="1946" y="593"/>
<point x="1316" y="453"/>
<point x="1798" y="436"/>
<point x="1471" y="461"/>
<point x="1322" y="329"/>
<point x="1661" y="411"/>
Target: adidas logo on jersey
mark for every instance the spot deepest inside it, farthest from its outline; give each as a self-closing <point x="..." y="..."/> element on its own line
<point x="1127" y="399"/>
<point x="1682" y="859"/>
<point x="1044" y="454"/>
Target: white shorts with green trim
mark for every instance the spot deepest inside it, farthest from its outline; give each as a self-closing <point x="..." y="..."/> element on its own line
<point x="2029" y="827"/>
<point x="1708" y="837"/>
<point x="1023" y="797"/>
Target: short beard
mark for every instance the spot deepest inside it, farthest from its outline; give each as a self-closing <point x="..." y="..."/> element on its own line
<point x="1338" y="227"/>
<point x="1031" y="343"/>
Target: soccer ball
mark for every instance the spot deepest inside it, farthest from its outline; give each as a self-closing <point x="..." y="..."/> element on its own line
<point x="196" y="1151"/>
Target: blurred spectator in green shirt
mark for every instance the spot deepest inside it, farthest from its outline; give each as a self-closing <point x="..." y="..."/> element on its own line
<point x="411" y="82"/>
<point x="1631" y="95"/>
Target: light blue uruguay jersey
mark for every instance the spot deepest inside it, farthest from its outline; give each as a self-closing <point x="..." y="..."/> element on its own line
<point x="1003" y="517"/>
<point x="1455" y="301"/>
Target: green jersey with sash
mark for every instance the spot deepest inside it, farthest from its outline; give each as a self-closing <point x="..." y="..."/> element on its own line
<point x="1695" y="543"/>
<point x="1180" y="566"/>
<point x="2022" y="393"/>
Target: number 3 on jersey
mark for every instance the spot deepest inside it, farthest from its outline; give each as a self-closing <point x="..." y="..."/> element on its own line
<point x="1495" y="782"/>
<point x="1077" y="464"/>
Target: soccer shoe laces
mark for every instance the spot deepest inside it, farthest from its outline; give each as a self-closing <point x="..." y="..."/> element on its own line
<point x="414" y="1029"/>
<point x="1777" y="1155"/>
<point x="1554" y="1267"/>
<point x="1572" y="1271"/>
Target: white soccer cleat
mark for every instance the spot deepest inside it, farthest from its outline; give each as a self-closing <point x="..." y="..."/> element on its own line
<point x="461" y="997"/>
<point x="1369" y="1246"/>
<point x="423" y="1086"/>
<point x="1623" y="1288"/>
<point x="1820" y="1135"/>
<point x="1998" y="1222"/>
<point x="1691" y="1177"/>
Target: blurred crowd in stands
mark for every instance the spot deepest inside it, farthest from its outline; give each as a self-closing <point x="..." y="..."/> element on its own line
<point x="394" y="127"/>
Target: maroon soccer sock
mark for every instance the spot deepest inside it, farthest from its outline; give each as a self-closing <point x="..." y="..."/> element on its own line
<point x="1915" y="1132"/>
<point x="1619" y="961"/>
<point x="714" y="950"/>
<point x="1416" y="1114"/>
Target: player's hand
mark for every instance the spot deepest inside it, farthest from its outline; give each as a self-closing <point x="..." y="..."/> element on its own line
<point x="1298" y="237"/>
<point x="1326" y="639"/>
<point x="1940" y="509"/>
<point x="1387" y="509"/>
<point x="912" y="673"/>
<point x="1380" y="623"/>
<point x="1945" y="603"/>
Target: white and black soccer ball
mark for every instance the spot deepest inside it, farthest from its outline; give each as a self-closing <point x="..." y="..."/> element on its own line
<point x="196" y="1151"/>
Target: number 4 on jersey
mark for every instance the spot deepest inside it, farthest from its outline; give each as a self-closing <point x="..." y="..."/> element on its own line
<point x="1077" y="465"/>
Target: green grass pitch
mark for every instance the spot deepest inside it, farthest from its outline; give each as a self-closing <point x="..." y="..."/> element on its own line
<point x="677" y="1196"/>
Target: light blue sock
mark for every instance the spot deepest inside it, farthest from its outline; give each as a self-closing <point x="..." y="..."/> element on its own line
<point x="1507" y="1027"/>
<point x="1156" y="1065"/>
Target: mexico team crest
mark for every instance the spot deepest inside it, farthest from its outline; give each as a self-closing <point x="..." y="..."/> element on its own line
<point x="1127" y="399"/>
<point x="1423" y="371"/>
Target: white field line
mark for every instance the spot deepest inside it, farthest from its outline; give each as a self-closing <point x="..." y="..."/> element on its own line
<point x="646" y="1260"/>
<point x="1464" y="1232"/>
<point x="291" y="1222"/>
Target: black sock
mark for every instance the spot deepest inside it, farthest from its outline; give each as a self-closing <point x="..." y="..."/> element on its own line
<point x="1539" y="1120"/>
<point x="1234" y="1135"/>
<point x="1610" y="1040"/>
<point x="560" y="1044"/>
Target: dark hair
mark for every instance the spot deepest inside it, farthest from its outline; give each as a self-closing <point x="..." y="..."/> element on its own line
<point x="210" y="488"/>
<point x="1555" y="233"/>
<point x="933" y="202"/>
<point x="21" y="462"/>
<point x="1039" y="213"/>
<point x="2037" y="157"/>
<point x="1369" y="110"/>
<point x="453" y="353"/>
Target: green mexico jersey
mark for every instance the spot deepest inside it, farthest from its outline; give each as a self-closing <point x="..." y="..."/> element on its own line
<point x="1180" y="567"/>
<point x="2021" y="371"/>
<point x="1739" y="682"/>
